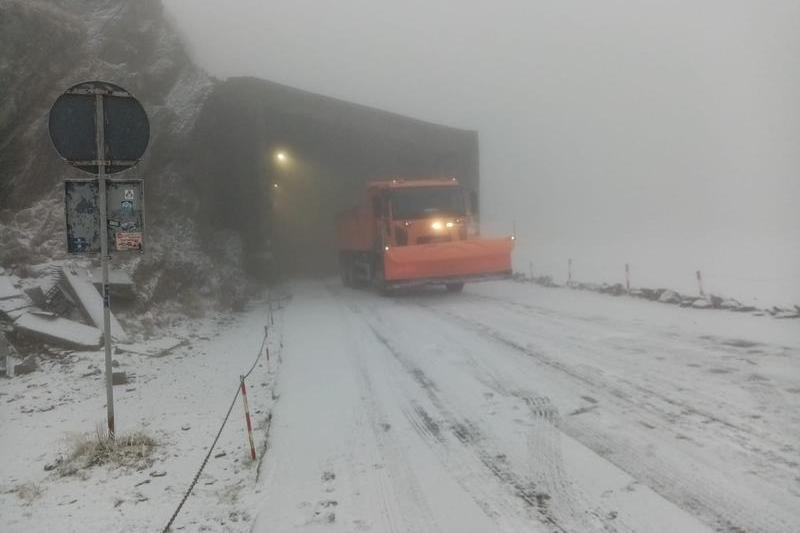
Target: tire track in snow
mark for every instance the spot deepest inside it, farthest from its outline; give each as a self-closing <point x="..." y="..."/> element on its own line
<point x="409" y="513"/>
<point x="690" y="491"/>
<point x="471" y="439"/>
<point x="661" y="404"/>
<point x="545" y="461"/>
<point x="740" y="433"/>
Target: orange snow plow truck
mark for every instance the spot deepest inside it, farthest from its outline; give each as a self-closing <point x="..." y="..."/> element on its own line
<point x="413" y="232"/>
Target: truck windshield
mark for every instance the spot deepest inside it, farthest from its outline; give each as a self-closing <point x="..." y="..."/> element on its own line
<point x="424" y="202"/>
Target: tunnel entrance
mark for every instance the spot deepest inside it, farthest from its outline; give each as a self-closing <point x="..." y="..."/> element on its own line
<point x="276" y="164"/>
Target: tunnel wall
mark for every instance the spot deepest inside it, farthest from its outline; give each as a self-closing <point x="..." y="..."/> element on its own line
<point x="333" y="148"/>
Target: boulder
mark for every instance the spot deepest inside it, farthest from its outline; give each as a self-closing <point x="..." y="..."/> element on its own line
<point x="617" y="289"/>
<point x="701" y="303"/>
<point x="650" y="294"/>
<point x="730" y="303"/>
<point x="669" y="297"/>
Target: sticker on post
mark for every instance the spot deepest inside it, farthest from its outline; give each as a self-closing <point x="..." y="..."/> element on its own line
<point x="129" y="240"/>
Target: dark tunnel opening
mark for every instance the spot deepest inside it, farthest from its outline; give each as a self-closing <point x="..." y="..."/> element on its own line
<point x="276" y="164"/>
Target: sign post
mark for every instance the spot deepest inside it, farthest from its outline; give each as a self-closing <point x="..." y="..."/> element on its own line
<point x="101" y="128"/>
<point x="101" y="179"/>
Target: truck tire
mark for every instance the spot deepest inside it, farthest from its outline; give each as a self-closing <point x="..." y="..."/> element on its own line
<point x="455" y="287"/>
<point x="378" y="278"/>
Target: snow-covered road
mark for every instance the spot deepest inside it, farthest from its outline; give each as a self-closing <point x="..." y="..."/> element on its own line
<point x="516" y="408"/>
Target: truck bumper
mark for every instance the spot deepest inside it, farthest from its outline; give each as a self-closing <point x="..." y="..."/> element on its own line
<point x="448" y="262"/>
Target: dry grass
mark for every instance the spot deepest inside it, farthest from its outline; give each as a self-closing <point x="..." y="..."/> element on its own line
<point x="132" y="450"/>
<point x="28" y="492"/>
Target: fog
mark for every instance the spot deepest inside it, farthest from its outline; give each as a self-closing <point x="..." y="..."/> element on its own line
<point x="664" y="134"/>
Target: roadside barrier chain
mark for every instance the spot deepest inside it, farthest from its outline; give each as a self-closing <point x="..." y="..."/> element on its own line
<point x="213" y="444"/>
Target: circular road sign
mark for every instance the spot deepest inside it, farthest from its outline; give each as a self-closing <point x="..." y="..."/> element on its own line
<point x="74" y="128"/>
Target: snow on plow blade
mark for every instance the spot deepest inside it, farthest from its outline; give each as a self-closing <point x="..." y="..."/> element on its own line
<point x="448" y="261"/>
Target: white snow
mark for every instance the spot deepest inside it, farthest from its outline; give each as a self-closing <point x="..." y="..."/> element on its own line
<point x="152" y="348"/>
<point x="59" y="330"/>
<point x="517" y="408"/>
<point x="92" y="303"/>
<point x="7" y="288"/>
<point x="40" y="413"/>
<point x="509" y="408"/>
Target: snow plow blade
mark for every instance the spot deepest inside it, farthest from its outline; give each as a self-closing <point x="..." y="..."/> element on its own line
<point x="448" y="262"/>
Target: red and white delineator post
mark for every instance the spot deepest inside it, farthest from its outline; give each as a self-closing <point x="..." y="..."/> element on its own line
<point x="627" y="277"/>
<point x="247" y="420"/>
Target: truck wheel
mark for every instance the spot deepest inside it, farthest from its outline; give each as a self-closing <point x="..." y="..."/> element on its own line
<point x="455" y="287"/>
<point x="378" y="280"/>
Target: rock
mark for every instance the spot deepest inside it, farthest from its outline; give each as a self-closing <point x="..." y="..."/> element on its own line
<point x="650" y="294"/>
<point x="618" y="289"/>
<point x="220" y="454"/>
<point x="669" y="297"/>
<point x="27" y="365"/>
<point x="93" y="372"/>
<point x="52" y="466"/>
<point x="730" y="303"/>
<point x="158" y="473"/>
<point x="186" y="427"/>
<point x="787" y="314"/>
<point x="119" y="378"/>
<point x="716" y="301"/>
<point x="701" y="303"/>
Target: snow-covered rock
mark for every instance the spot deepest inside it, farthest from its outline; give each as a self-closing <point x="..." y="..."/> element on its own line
<point x="670" y="297"/>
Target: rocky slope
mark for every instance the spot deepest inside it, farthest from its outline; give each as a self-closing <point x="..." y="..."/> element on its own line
<point x="47" y="47"/>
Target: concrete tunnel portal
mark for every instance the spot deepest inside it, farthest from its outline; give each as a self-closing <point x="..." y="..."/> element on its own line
<point x="276" y="164"/>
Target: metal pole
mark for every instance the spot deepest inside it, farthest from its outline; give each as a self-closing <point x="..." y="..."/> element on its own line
<point x="627" y="277"/>
<point x="569" y="272"/>
<point x="700" y="284"/>
<point x="101" y="178"/>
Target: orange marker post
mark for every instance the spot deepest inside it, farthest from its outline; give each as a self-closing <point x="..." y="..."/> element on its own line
<point x="247" y="420"/>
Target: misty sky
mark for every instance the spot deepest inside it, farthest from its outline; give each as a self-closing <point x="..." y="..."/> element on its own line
<point x="664" y="133"/>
